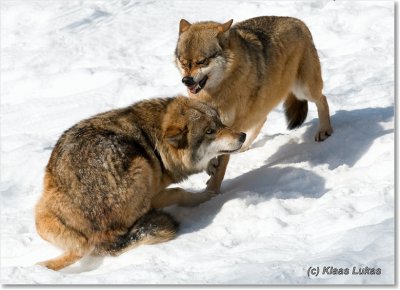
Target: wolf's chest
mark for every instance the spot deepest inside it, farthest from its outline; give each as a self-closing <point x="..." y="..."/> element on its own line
<point x="227" y="116"/>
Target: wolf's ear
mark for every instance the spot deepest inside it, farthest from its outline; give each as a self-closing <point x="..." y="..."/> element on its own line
<point x="183" y="25"/>
<point x="175" y="136"/>
<point x="225" y="27"/>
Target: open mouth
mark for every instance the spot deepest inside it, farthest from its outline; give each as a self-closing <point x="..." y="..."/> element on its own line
<point x="229" y="151"/>
<point x="194" y="89"/>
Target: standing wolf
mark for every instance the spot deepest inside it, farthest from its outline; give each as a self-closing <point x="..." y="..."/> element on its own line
<point x="107" y="175"/>
<point x="246" y="70"/>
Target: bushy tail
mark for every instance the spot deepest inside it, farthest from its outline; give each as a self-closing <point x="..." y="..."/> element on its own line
<point x="295" y="111"/>
<point x="154" y="227"/>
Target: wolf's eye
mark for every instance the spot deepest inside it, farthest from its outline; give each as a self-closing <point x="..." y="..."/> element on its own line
<point x="210" y="131"/>
<point x="214" y="55"/>
<point x="203" y="61"/>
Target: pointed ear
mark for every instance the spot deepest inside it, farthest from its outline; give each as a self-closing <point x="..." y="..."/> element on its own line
<point x="175" y="136"/>
<point x="225" y="27"/>
<point x="183" y="25"/>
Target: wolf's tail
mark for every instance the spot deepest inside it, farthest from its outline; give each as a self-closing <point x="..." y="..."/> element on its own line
<point x="295" y="111"/>
<point x="154" y="227"/>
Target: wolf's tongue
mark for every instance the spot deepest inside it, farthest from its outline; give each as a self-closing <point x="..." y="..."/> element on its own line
<point x="193" y="89"/>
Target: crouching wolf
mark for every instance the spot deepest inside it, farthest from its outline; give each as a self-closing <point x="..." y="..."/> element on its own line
<point x="248" y="69"/>
<point x="107" y="176"/>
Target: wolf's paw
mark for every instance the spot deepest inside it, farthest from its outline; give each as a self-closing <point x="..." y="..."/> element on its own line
<point x="212" y="166"/>
<point x="42" y="264"/>
<point x="47" y="264"/>
<point x="323" y="133"/>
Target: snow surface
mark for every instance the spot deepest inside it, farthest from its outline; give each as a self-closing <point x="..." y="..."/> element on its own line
<point x="289" y="203"/>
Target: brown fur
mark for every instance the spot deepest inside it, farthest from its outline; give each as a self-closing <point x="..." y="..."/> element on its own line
<point x="248" y="69"/>
<point x="107" y="176"/>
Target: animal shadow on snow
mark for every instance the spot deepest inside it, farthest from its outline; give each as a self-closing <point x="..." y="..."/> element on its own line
<point x="354" y="133"/>
<point x="255" y="186"/>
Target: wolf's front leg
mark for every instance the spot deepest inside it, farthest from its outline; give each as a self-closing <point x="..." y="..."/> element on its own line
<point x="216" y="169"/>
<point x="179" y="196"/>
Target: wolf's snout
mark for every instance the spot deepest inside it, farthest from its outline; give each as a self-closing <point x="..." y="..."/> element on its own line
<point x="189" y="81"/>
<point x="242" y="137"/>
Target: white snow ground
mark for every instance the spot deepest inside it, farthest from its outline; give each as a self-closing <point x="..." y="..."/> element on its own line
<point x="289" y="203"/>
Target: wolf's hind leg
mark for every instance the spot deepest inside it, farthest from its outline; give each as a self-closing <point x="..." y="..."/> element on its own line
<point x="325" y="128"/>
<point x="54" y="229"/>
<point x="309" y="87"/>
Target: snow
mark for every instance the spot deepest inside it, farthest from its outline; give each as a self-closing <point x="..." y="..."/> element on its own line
<point x="289" y="203"/>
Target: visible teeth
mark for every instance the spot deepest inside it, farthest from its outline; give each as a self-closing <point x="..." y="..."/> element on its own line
<point x="198" y="86"/>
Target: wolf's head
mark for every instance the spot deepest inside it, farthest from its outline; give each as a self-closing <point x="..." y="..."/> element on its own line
<point x="200" y="54"/>
<point x="193" y="134"/>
